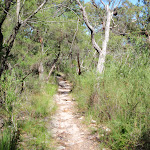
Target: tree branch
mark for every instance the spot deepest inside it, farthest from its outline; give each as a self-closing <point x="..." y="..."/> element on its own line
<point x="12" y="37"/>
<point x="74" y="37"/>
<point x="116" y="5"/>
<point x="103" y="3"/>
<point x="84" y="14"/>
<point x="44" y="2"/>
<point x="94" y="4"/>
<point x="6" y="10"/>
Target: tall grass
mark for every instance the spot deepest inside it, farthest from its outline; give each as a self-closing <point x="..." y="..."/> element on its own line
<point x="26" y="116"/>
<point x="8" y="140"/>
<point x="119" y="99"/>
<point x="34" y="133"/>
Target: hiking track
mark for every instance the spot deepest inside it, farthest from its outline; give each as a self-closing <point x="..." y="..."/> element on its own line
<point x="66" y="126"/>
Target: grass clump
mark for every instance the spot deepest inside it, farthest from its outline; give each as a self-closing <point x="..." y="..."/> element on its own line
<point x="8" y="139"/>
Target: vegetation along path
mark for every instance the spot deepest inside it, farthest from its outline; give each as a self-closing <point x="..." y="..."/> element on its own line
<point x="66" y="125"/>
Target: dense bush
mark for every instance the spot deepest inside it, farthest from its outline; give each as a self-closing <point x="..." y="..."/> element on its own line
<point x="22" y="113"/>
<point x="119" y="99"/>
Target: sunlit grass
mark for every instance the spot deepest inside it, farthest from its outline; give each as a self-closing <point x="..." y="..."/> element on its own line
<point x="119" y="100"/>
<point x="34" y="132"/>
<point x="26" y="125"/>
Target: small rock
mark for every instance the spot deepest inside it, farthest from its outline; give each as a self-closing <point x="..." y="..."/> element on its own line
<point x="81" y="118"/>
<point x="99" y="136"/>
<point x="93" y="121"/>
<point x="106" y="129"/>
<point x="61" y="148"/>
<point x="82" y="133"/>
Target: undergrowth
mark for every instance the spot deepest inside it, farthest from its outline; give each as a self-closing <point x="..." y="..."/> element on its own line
<point x="26" y="116"/>
<point x="34" y="133"/>
<point x="119" y="100"/>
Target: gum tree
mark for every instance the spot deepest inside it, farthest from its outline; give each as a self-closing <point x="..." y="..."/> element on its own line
<point x="109" y="7"/>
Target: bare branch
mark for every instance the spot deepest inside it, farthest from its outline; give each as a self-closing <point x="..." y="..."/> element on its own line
<point x="115" y="25"/>
<point x="84" y="14"/>
<point x="22" y="5"/>
<point x="97" y="8"/>
<point x="94" y="4"/>
<point x="118" y="4"/>
<point x="51" y="21"/>
<point x="74" y="36"/>
<point x="103" y="3"/>
<point x="57" y="11"/>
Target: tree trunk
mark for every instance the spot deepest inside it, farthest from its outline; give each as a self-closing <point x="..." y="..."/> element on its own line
<point x="50" y="72"/>
<point x="18" y="10"/>
<point x="2" y="19"/>
<point x="54" y="62"/>
<point x="78" y="60"/>
<point x="41" y="71"/>
<point x="102" y="55"/>
<point x="12" y="37"/>
<point x="41" y="68"/>
<point x="1" y="45"/>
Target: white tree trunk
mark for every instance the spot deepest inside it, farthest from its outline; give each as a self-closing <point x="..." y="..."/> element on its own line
<point x="18" y="10"/>
<point x="102" y="55"/>
<point x="102" y="52"/>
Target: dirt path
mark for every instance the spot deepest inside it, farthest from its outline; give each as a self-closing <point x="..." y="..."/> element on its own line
<point x="67" y="128"/>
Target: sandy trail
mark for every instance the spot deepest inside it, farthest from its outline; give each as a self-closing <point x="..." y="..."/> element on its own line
<point x="66" y="125"/>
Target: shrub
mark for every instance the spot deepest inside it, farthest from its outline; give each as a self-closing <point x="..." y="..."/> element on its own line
<point x="119" y="99"/>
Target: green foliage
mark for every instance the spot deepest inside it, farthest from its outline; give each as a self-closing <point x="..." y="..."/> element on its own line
<point x="7" y="91"/>
<point x="24" y="114"/>
<point x="120" y="98"/>
<point x="41" y="108"/>
<point x="34" y="132"/>
<point x="85" y="83"/>
<point x="8" y="140"/>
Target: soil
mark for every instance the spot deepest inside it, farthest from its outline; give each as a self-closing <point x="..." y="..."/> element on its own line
<point x="66" y="125"/>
